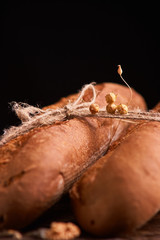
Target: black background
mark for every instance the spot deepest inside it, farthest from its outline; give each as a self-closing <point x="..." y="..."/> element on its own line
<point x="49" y="49"/>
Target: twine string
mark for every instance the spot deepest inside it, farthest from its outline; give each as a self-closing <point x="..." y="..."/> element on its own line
<point x="32" y="117"/>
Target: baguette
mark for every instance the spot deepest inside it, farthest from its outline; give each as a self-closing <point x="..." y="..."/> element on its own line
<point x="39" y="166"/>
<point x="121" y="191"/>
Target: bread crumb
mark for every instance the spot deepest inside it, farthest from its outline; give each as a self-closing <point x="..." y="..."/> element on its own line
<point x="61" y="230"/>
<point x="10" y="233"/>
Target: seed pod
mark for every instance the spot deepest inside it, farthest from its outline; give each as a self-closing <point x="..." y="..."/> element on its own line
<point x="110" y="98"/>
<point x="111" y="108"/>
<point x="119" y="70"/>
<point x="94" y="108"/>
<point x="122" y="109"/>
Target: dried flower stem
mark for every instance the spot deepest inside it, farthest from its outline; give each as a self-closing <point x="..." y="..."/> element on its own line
<point x="120" y="74"/>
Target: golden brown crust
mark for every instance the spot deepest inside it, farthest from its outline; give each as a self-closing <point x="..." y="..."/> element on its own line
<point x="36" y="168"/>
<point x="125" y="191"/>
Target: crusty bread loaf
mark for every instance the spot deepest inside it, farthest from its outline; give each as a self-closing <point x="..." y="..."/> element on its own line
<point x="38" y="167"/>
<point x="121" y="191"/>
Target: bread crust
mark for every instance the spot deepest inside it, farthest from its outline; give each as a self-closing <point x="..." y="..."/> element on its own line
<point x="122" y="188"/>
<point x="39" y="166"/>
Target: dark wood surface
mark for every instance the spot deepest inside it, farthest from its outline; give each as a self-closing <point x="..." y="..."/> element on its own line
<point x="62" y="212"/>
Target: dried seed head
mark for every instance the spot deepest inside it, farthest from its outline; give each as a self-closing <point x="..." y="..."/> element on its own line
<point x="119" y="70"/>
<point x="110" y="98"/>
<point x="122" y="109"/>
<point x="111" y="108"/>
<point x="94" y="108"/>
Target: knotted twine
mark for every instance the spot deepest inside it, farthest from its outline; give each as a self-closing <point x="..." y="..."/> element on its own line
<point x="32" y="117"/>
